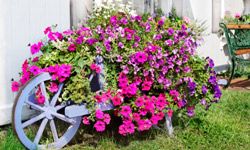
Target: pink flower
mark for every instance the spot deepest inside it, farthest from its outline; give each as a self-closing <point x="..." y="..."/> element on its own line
<point x="113" y="20"/>
<point x="15" y="86"/>
<point x="116" y="100"/>
<point x="85" y="120"/>
<point x="35" y="70"/>
<point x="144" y="125"/>
<point x="237" y="15"/>
<point x="141" y="57"/>
<point x="146" y="85"/>
<point x="35" y="59"/>
<point x="53" y="87"/>
<point x="95" y="68"/>
<point x="25" y="78"/>
<point x="47" y="30"/>
<point x="170" y="113"/>
<point x="154" y="119"/>
<point x="126" y="111"/>
<point x="139" y="102"/>
<point x="99" y="114"/>
<point x="161" y="102"/>
<point x="35" y="48"/>
<point x="99" y="126"/>
<point x="72" y="47"/>
<point x="169" y="42"/>
<point x="65" y="70"/>
<point x="25" y="66"/>
<point x="106" y="118"/>
<point x="39" y="97"/>
<point x="136" y="116"/>
<point x="126" y="128"/>
<point x="186" y="19"/>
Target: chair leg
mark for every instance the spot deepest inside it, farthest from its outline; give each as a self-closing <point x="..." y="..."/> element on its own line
<point x="232" y="73"/>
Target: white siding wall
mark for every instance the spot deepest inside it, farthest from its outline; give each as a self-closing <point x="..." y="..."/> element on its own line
<point x="22" y="22"/>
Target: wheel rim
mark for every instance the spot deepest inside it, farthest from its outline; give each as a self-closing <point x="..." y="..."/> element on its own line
<point x="47" y="114"/>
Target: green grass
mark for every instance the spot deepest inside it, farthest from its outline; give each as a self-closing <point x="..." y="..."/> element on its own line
<point x="225" y="126"/>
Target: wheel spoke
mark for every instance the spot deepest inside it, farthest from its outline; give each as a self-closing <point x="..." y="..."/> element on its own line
<point x="40" y="131"/>
<point x="34" y="106"/>
<point x="43" y="89"/>
<point x="63" y="118"/>
<point x="53" y="129"/>
<point x="55" y="97"/>
<point x="33" y="120"/>
<point x="58" y="107"/>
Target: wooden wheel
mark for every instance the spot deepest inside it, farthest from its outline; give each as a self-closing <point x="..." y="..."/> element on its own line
<point x="44" y="117"/>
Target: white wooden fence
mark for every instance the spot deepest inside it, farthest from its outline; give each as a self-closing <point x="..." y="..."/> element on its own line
<point x="22" y="22"/>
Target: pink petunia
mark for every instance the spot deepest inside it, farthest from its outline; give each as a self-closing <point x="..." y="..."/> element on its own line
<point x="125" y="111"/>
<point x="35" y="48"/>
<point x="35" y="70"/>
<point x="99" y="114"/>
<point x="25" y="78"/>
<point x="95" y="67"/>
<point x="141" y="57"/>
<point x="72" y="47"/>
<point x="99" y="126"/>
<point x="139" y="102"/>
<point x="170" y="113"/>
<point x="47" y="30"/>
<point x="144" y="125"/>
<point x="15" y="86"/>
<point x="85" y="120"/>
<point x="117" y="100"/>
<point x="146" y="85"/>
<point x="106" y="118"/>
<point x="53" y="88"/>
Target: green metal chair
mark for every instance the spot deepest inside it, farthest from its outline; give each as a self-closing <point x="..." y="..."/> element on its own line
<point x="238" y="41"/>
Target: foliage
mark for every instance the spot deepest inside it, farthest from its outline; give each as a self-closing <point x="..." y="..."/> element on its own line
<point x="218" y="129"/>
<point x="151" y="68"/>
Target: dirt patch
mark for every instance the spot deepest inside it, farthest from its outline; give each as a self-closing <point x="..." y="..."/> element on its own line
<point x="240" y="84"/>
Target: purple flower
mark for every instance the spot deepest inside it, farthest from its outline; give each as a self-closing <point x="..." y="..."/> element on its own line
<point x="212" y="80"/>
<point x="79" y="40"/>
<point x="72" y="47"/>
<point x="204" y="89"/>
<point x="170" y="31"/>
<point x="124" y="21"/>
<point x="107" y="45"/>
<point x="217" y="92"/>
<point x="190" y="111"/>
<point x="161" y="22"/>
<point x="113" y="20"/>
<point x="157" y="37"/>
<point x="148" y="27"/>
<point x="119" y="58"/>
<point x="210" y="62"/>
<point x="169" y="42"/>
<point x="91" y="41"/>
<point x="203" y="101"/>
<point x="141" y="57"/>
<point x="137" y="38"/>
<point x="120" y="44"/>
<point x="138" y="18"/>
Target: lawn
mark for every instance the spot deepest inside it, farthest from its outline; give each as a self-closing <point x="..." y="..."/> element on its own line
<point x="225" y="126"/>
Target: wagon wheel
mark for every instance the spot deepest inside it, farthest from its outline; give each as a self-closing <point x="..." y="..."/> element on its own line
<point x="44" y="117"/>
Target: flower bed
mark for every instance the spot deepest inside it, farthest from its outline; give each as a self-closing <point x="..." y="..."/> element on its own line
<point x="151" y="68"/>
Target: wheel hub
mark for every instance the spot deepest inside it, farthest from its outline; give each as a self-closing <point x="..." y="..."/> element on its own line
<point x="49" y="110"/>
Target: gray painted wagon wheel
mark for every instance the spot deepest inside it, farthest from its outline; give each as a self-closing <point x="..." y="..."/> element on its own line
<point x="47" y="113"/>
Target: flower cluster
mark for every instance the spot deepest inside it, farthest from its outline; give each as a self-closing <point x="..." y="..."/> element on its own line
<point x="151" y="69"/>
